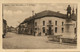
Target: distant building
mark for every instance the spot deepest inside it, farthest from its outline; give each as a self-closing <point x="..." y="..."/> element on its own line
<point x="48" y="23"/>
<point x="10" y="29"/>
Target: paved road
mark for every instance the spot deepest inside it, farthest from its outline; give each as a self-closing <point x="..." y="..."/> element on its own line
<point x="20" y="41"/>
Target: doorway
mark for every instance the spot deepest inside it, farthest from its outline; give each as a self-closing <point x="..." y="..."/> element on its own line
<point x="50" y="31"/>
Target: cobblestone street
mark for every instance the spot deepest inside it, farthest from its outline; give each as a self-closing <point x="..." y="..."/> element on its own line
<point x="20" y="41"/>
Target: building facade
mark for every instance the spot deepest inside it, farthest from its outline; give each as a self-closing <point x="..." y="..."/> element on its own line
<point x="49" y="23"/>
<point x="52" y="25"/>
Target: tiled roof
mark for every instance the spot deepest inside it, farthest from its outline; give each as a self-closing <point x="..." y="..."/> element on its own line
<point x="49" y="13"/>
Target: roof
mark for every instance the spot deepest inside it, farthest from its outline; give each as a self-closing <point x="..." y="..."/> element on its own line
<point x="49" y="13"/>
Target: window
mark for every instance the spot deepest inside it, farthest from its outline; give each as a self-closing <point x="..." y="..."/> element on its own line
<point x="75" y="30"/>
<point x="35" y="23"/>
<point x="62" y="23"/>
<point x="43" y="29"/>
<point x="55" y="29"/>
<point x="55" y="22"/>
<point x="50" y="22"/>
<point x="62" y="30"/>
<point x="43" y="23"/>
<point x="35" y="28"/>
<point x="26" y="25"/>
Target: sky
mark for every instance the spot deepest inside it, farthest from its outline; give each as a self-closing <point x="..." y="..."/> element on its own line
<point x="14" y="14"/>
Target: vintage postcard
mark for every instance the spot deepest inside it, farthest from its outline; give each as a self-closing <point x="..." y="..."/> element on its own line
<point x="40" y="26"/>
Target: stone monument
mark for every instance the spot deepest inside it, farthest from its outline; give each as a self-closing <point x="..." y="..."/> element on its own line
<point x="69" y="25"/>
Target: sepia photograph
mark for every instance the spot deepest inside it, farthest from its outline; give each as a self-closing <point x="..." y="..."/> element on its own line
<point x="39" y="25"/>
